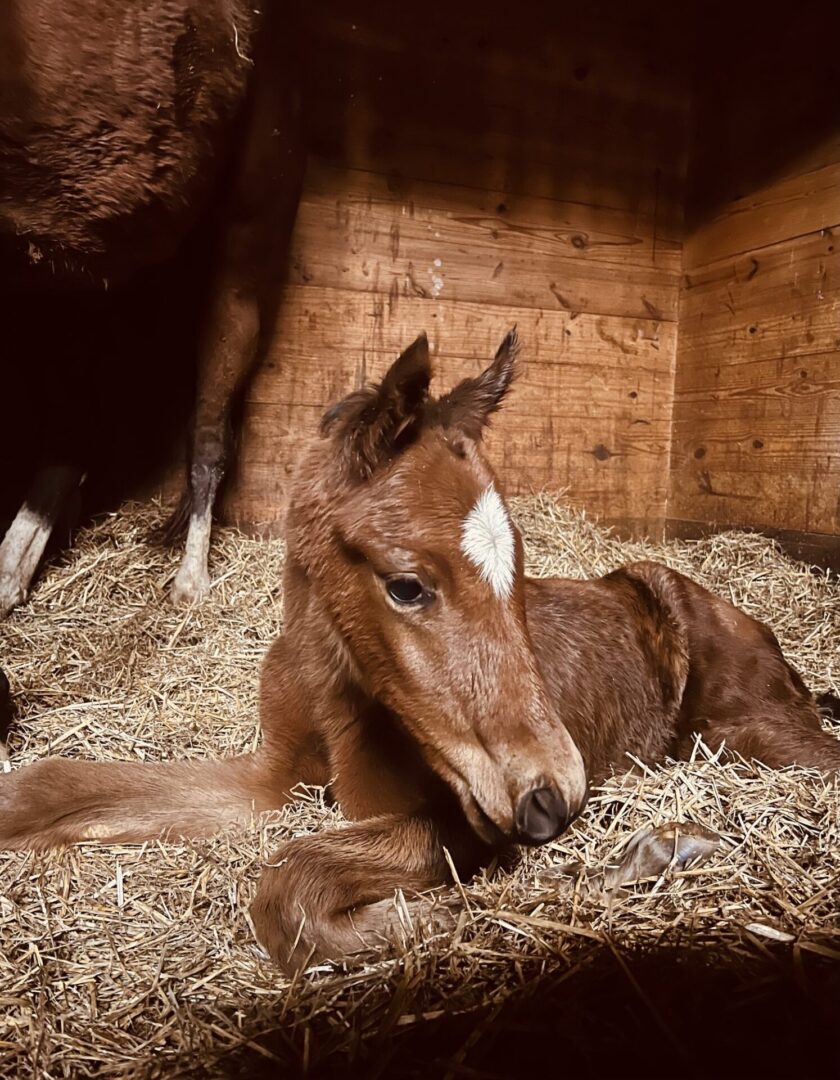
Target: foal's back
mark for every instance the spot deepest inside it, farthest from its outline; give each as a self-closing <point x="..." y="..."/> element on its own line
<point x="644" y="659"/>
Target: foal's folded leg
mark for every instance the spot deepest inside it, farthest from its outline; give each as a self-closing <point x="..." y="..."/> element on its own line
<point x="328" y="896"/>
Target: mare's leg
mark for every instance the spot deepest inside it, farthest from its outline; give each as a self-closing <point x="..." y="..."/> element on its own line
<point x="6" y="715"/>
<point x="328" y="896"/>
<point x="254" y="239"/>
<point x="26" y="539"/>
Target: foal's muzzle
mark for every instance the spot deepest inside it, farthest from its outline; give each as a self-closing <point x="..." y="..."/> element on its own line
<point x="542" y="814"/>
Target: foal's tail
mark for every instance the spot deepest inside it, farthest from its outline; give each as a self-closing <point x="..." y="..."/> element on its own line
<point x="59" y="801"/>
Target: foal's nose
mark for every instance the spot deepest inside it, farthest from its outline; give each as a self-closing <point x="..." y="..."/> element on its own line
<point x="541" y="815"/>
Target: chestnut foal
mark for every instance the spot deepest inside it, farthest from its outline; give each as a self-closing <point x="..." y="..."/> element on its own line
<point x="448" y="700"/>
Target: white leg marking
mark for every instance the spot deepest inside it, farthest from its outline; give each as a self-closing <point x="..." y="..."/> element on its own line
<point x="20" y="554"/>
<point x="193" y="580"/>
<point x="487" y="541"/>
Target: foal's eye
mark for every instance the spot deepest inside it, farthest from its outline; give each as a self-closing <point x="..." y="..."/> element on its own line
<point x="405" y="590"/>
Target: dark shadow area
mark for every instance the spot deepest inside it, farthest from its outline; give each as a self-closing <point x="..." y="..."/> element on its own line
<point x="672" y="1013"/>
<point x="101" y="379"/>
<point x="568" y="102"/>
<point x="584" y="104"/>
<point x="764" y="99"/>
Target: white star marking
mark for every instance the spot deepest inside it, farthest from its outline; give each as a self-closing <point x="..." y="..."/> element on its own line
<point x="487" y="541"/>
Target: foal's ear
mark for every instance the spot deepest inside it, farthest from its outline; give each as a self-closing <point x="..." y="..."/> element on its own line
<point x="375" y="423"/>
<point x="470" y="404"/>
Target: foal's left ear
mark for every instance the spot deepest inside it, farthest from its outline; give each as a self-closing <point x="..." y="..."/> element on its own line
<point x="373" y="424"/>
<point x="471" y="403"/>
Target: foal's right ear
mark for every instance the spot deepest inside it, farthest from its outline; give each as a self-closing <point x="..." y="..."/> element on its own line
<point x="375" y="423"/>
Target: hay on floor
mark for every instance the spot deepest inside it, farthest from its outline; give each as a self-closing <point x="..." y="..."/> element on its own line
<point x="140" y="961"/>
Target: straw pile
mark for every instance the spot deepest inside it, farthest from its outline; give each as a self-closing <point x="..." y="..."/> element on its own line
<point x="126" y="961"/>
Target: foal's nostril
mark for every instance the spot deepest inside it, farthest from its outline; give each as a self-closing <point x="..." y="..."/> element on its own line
<point x="541" y="815"/>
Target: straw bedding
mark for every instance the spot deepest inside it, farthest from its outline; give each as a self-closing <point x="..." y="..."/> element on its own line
<point x="140" y="961"/>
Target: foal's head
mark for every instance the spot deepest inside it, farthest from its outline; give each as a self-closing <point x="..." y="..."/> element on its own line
<point x="404" y="536"/>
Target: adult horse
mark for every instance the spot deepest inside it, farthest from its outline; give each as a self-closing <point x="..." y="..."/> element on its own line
<point x="121" y="127"/>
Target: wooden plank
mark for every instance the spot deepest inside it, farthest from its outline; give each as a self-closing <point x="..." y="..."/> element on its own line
<point x="358" y="230"/>
<point x="760" y="445"/>
<point x="782" y="301"/>
<point x="452" y="99"/>
<point x="541" y="119"/>
<point x="591" y="411"/>
<point x="773" y="388"/>
<point x="729" y="496"/>
<point x="550" y="161"/>
<point x="530" y="454"/>
<point x="789" y="208"/>
<point x="756" y="428"/>
<point x="572" y="45"/>
<point x="503" y="58"/>
<point x="583" y="231"/>
<point x="484" y="169"/>
<point x="321" y="333"/>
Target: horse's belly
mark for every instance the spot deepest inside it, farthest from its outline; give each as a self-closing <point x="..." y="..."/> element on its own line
<point x="114" y="125"/>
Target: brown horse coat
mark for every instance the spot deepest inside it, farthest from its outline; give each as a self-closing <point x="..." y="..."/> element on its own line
<point x="449" y="701"/>
<point x="121" y="127"/>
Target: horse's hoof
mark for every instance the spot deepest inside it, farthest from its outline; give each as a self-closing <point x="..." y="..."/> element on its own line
<point x="12" y="593"/>
<point x="190" y="586"/>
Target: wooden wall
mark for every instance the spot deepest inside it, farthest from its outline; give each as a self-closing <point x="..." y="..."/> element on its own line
<point x="756" y="436"/>
<point x="474" y="166"/>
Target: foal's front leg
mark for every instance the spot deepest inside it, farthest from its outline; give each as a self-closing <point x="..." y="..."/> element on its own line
<point x="329" y="896"/>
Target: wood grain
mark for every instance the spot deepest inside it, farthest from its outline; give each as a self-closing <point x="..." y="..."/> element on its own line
<point x="573" y="110"/>
<point x="756" y="432"/>
<point x="481" y="166"/>
<point x="792" y="207"/>
<point x="764" y="109"/>
<point x="359" y="230"/>
<point x="590" y="412"/>
<point x="775" y="302"/>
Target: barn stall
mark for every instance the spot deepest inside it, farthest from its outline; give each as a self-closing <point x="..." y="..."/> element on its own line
<point x="649" y="195"/>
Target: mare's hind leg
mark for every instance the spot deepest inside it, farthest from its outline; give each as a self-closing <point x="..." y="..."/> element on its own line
<point x="328" y="896"/>
<point x="253" y="242"/>
<point x="6" y="715"/>
<point x="26" y="539"/>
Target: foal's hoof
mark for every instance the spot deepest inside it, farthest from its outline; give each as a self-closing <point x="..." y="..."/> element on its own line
<point x="12" y="593"/>
<point x="191" y="585"/>
<point x="649" y="853"/>
<point x="676" y="845"/>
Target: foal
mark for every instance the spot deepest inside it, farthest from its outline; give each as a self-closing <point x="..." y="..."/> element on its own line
<point x="447" y="699"/>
